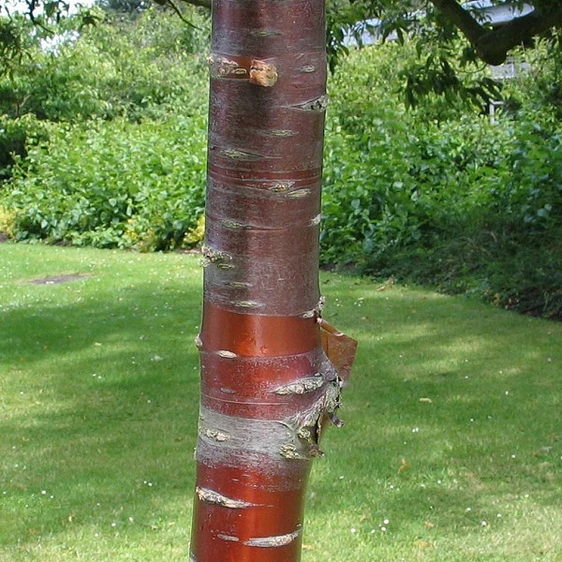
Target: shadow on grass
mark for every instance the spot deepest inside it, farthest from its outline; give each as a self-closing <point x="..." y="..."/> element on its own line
<point x="99" y="406"/>
<point x="452" y="406"/>
<point x="452" y="414"/>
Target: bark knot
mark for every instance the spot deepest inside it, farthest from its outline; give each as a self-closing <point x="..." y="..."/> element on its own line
<point x="307" y="425"/>
<point x="263" y="73"/>
<point x="216" y="257"/>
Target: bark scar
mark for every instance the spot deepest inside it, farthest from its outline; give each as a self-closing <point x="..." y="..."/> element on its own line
<point x="215" y="435"/>
<point x="275" y="541"/>
<point x="216" y="257"/>
<point x="212" y="497"/>
<point x="223" y="67"/>
<point x="299" y="193"/>
<point x="226" y="354"/>
<point x="318" y="104"/>
<point x="256" y="71"/>
<point x="306" y="68"/>
<point x="301" y="386"/>
<point x="282" y="186"/>
<point x="316" y="312"/>
<point x="228" y="538"/>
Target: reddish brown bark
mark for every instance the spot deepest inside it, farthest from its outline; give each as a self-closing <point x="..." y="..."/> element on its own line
<point x="267" y="384"/>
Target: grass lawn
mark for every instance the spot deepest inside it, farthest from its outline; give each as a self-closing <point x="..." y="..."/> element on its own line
<point x="451" y="452"/>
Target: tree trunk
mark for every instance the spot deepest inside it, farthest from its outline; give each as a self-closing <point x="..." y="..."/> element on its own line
<point x="267" y="384"/>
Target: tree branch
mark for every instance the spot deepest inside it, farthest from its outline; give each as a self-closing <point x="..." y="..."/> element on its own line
<point x="201" y="3"/>
<point x="175" y="8"/>
<point x="492" y="45"/>
<point x="462" y="19"/>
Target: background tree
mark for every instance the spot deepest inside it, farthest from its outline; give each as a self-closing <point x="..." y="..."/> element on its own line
<point x="452" y="39"/>
<point x="447" y="32"/>
<point x="493" y="44"/>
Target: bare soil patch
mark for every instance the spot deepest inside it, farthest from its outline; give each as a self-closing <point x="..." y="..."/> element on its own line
<point x="55" y="279"/>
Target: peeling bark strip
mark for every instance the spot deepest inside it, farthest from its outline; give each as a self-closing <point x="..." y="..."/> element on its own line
<point x="267" y="385"/>
<point x="295" y="436"/>
<point x="246" y="436"/>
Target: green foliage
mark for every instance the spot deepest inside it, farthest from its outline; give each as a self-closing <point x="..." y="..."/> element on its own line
<point x="7" y="223"/>
<point x="138" y="69"/>
<point x="536" y="89"/>
<point x="460" y="203"/>
<point x="107" y="126"/>
<point x="131" y="8"/>
<point x="112" y="184"/>
<point x="14" y="39"/>
<point x="27" y="26"/>
<point x="15" y="136"/>
<point x="437" y="194"/>
<point x="447" y="61"/>
<point x="149" y="68"/>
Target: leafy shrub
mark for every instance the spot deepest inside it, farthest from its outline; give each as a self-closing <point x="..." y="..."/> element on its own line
<point x="15" y="136"/>
<point x="460" y="203"/>
<point x="437" y="196"/>
<point x="137" y="69"/>
<point x="368" y="192"/>
<point x="113" y="184"/>
<point x="7" y="221"/>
